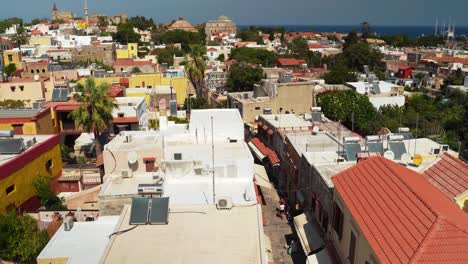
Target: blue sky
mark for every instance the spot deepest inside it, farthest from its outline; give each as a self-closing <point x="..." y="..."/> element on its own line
<point x="273" y="12"/>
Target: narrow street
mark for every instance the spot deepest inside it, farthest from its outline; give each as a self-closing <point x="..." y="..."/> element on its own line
<point x="277" y="230"/>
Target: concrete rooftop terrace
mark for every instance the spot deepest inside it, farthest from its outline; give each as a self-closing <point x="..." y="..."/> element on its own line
<point x="194" y="234"/>
<point x="286" y="121"/>
<point x="84" y="243"/>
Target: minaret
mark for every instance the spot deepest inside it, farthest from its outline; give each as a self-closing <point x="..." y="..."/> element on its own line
<point x="54" y="11"/>
<point x="86" y="12"/>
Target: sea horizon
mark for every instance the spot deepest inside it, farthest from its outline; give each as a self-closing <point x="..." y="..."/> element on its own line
<point x="410" y="31"/>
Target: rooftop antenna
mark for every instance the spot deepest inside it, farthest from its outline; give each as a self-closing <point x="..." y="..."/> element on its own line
<point x="213" y="160"/>
<point x="416" y="136"/>
<point x="437" y="24"/>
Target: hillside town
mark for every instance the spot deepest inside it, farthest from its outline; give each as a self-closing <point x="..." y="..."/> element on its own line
<point x="129" y="140"/>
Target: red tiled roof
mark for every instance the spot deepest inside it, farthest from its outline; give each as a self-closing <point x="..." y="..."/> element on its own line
<point x="271" y="154"/>
<point x="37" y="63"/>
<point x="402" y="216"/>
<point x="449" y="175"/>
<point x="212" y="49"/>
<point x="315" y="46"/>
<point x="290" y="61"/>
<point x="130" y="62"/>
<point x="404" y="67"/>
<point x="64" y="108"/>
<point x="54" y="104"/>
<point x="124" y="120"/>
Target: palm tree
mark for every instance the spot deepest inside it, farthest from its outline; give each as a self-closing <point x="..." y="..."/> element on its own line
<point x="195" y="66"/>
<point x="95" y="113"/>
<point x="20" y="37"/>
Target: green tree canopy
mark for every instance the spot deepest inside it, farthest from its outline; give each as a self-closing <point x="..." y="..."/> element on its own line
<point x="359" y="54"/>
<point x="95" y="112"/>
<point x="339" y="74"/>
<point x="167" y="54"/>
<point x="348" y="106"/>
<point x="141" y="22"/>
<point x="242" y="77"/>
<point x="13" y="104"/>
<point x="195" y="103"/>
<point x="10" y="69"/>
<point x="254" y="56"/>
<point x="45" y="193"/>
<point x="135" y="70"/>
<point x="195" y="66"/>
<point x="125" y="34"/>
<point x="185" y="38"/>
<point x="21" y="240"/>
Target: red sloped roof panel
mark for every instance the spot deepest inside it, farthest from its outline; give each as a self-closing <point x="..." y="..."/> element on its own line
<point x="401" y="215"/>
<point x="449" y="175"/>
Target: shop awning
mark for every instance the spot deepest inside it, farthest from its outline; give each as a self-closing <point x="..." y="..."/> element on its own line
<point x="321" y="257"/>
<point x="308" y="232"/>
<point x="258" y="154"/>
<point x="271" y="154"/>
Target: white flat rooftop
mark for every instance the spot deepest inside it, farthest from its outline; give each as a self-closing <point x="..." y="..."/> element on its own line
<point x="194" y="234"/>
<point x="84" y="243"/>
<point x="306" y="142"/>
<point x="286" y="121"/>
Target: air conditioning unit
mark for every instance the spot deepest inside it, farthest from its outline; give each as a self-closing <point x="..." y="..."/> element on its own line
<point x="126" y="173"/>
<point x="68" y="223"/>
<point x="224" y="203"/>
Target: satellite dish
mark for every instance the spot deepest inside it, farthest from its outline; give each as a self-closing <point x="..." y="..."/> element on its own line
<point x="132" y="157"/>
<point x="315" y="129"/>
<point x="389" y="155"/>
<point x="406" y="158"/>
<point x="36" y="77"/>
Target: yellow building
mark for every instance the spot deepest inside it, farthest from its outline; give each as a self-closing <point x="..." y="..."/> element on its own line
<point x="40" y="41"/>
<point x="12" y="56"/>
<point x="128" y="52"/>
<point x="181" y="85"/>
<point x="27" y="121"/>
<point x="27" y="89"/>
<point x="18" y="170"/>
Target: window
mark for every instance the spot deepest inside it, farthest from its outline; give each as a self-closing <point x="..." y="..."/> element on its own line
<point x="37" y="71"/>
<point x="338" y="221"/>
<point x="43" y="70"/>
<point x="10" y="58"/>
<point x="48" y="165"/>
<point x="32" y="71"/>
<point x="257" y="108"/>
<point x="10" y="189"/>
<point x="21" y="87"/>
<point x="12" y="88"/>
<point x="352" y="248"/>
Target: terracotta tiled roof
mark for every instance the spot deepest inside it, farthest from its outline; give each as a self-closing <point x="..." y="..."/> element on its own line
<point x="37" y="63"/>
<point x="449" y="175"/>
<point x="212" y="49"/>
<point x="271" y="154"/>
<point x="124" y="120"/>
<point x="290" y="61"/>
<point x="402" y="216"/>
